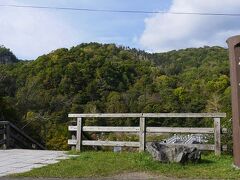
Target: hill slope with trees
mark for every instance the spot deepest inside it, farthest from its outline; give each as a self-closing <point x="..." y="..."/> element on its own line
<point x="91" y="78"/>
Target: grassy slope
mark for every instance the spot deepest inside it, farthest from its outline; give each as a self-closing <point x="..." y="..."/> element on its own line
<point x="108" y="163"/>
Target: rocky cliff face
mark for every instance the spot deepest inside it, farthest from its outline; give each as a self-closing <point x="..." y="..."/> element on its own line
<point x="6" y="56"/>
<point x="7" y="60"/>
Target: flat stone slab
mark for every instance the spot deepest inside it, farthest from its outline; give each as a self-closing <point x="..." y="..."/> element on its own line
<point x="22" y="160"/>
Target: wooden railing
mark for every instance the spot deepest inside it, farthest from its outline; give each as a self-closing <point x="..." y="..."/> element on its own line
<point x="142" y="130"/>
<point x="13" y="137"/>
<point x="4" y="134"/>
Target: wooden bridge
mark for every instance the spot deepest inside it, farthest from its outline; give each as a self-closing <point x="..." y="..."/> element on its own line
<point x="13" y="137"/>
<point x="142" y="130"/>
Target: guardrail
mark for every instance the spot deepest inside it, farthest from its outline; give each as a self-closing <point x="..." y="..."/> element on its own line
<point x="4" y="134"/>
<point x="12" y="136"/>
<point x="78" y="142"/>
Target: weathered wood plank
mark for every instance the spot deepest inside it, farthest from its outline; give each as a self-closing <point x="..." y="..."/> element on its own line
<point x="79" y="134"/>
<point x="217" y="136"/>
<point x="5" y="136"/>
<point x="111" y="143"/>
<point x="104" y="129"/>
<point x="107" y="115"/>
<point x="73" y="138"/>
<point x="72" y="128"/>
<point x="152" y="115"/>
<point x="148" y="129"/>
<point x="179" y="130"/>
<point x="207" y="147"/>
<point x="183" y="115"/>
<point x="8" y="133"/>
<point x="72" y="141"/>
<point x="4" y="122"/>
<point x="110" y="129"/>
<point x="142" y="134"/>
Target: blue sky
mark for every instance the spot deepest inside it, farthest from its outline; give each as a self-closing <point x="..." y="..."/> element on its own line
<point x="106" y="27"/>
<point x="30" y="33"/>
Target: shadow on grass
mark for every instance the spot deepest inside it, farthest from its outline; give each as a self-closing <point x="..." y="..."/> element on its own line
<point x="205" y="161"/>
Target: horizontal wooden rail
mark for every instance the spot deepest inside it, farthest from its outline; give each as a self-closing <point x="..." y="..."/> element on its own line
<point x="4" y="122"/>
<point x="105" y="129"/>
<point x="105" y="143"/>
<point x="111" y="143"/>
<point x="110" y="129"/>
<point x="72" y="142"/>
<point x="209" y="147"/>
<point x="150" y="115"/>
<point x="148" y="129"/>
<point x="179" y="130"/>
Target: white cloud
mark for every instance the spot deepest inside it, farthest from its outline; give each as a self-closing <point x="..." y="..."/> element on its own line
<point x="164" y="32"/>
<point x="32" y="32"/>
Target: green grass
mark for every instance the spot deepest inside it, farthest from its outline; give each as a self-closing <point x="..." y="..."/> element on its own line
<point x="89" y="164"/>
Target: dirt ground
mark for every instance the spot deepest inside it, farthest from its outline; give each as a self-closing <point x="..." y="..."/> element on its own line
<point x="124" y="176"/>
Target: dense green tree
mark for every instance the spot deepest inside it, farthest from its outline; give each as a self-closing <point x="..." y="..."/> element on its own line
<point x="92" y="78"/>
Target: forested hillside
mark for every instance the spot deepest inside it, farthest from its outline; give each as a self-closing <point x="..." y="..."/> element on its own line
<point x="105" y="78"/>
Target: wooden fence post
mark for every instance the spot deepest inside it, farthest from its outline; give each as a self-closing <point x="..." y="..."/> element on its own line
<point x="217" y="136"/>
<point x="73" y="138"/>
<point x="142" y="134"/>
<point x="79" y="134"/>
<point x="73" y="135"/>
<point x="5" y="136"/>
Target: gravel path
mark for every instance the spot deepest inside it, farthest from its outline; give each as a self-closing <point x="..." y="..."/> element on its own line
<point x="22" y="160"/>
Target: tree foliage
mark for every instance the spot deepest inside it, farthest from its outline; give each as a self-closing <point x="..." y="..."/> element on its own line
<point x="91" y="78"/>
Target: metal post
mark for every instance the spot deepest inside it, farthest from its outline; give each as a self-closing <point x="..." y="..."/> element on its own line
<point x="234" y="57"/>
<point x="79" y="134"/>
<point x="142" y="134"/>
